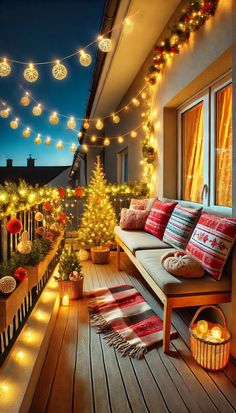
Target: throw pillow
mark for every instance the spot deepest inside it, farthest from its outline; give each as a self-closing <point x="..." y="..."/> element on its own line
<point x="142" y="204"/>
<point x="133" y="219"/>
<point x="211" y="242"/>
<point x="182" y="265"/>
<point x="181" y="225"/>
<point x="159" y="217"/>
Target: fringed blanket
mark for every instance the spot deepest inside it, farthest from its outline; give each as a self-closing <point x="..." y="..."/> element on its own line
<point x="130" y="325"/>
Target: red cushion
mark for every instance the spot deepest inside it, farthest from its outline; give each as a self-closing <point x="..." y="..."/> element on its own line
<point x="138" y="204"/>
<point x="133" y="219"/>
<point x="211" y="242"/>
<point x="159" y="217"/>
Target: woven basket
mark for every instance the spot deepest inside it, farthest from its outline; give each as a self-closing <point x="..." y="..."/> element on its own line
<point x="100" y="255"/>
<point x="211" y="356"/>
<point x="74" y="289"/>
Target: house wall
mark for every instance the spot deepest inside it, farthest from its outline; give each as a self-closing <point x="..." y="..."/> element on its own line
<point x="206" y="56"/>
<point x="62" y="179"/>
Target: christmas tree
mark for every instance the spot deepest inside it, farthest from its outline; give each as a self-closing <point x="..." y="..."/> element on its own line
<point x="98" y="219"/>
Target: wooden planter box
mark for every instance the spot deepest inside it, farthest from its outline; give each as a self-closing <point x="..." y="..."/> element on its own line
<point x="10" y="305"/>
<point x="100" y="255"/>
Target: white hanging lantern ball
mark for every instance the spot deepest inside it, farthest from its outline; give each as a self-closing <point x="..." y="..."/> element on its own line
<point x="115" y="119"/>
<point x="37" y="110"/>
<point x="59" y="71"/>
<point x="38" y="139"/>
<point x="86" y="124"/>
<point x="85" y="59"/>
<point x="48" y="141"/>
<point x="133" y="134"/>
<point x="14" y="123"/>
<point x="5" y="113"/>
<point x="105" y="45"/>
<point x="106" y="142"/>
<point x="5" y="68"/>
<point x="120" y="139"/>
<point x="54" y="119"/>
<point x="99" y="124"/>
<point x="26" y="133"/>
<point x="30" y="73"/>
<point x="60" y="145"/>
<point x="25" y="100"/>
<point x="71" y="123"/>
<point x="73" y="148"/>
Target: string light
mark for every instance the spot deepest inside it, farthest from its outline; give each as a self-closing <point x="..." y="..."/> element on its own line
<point x="14" y="123"/>
<point x="5" y="113"/>
<point x="54" y="119"/>
<point x="48" y="141"/>
<point x="60" y="145"/>
<point x="73" y="147"/>
<point x="59" y="71"/>
<point x="133" y="134"/>
<point x="85" y="59"/>
<point x="93" y="138"/>
<point x="128" y="25"/>
<point x="71" y="123"/>
<point x="31" y="74"/>
<point x="38" y="139"/>
<point x="26" y="132"/>
<point x="99" y="124"/>
<point x="136" y="102"/>
<point x="120" y="139"/>
<point x="104" y="44"/>
<point x="115" y="118"/>
<point x="37" y="110"/>
<point x="5" y="68"/>
<point x="86" y="124"/>
<point x="25" y="100"/>
<point x="106" y="142"/>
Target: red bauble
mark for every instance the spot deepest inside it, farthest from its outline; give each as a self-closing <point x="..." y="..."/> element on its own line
<point x="61" y="192"/>
<point x="49" y="235"/>
<point x="79" y="192"/>
<point x="48" y="207"/>
<point x="20" y="274"/>
<point x="40" y="230"/>
<point x="14" y="226"/>
<point x="61" y="218"/>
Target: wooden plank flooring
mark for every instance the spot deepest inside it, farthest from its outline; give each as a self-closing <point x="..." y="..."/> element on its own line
<point x="81" y="373"/>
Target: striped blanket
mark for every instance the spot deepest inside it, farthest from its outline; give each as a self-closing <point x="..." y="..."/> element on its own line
<point x="130" y="325"/>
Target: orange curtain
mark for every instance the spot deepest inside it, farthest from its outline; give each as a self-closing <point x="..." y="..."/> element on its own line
<point x="223" y="154"/>
<point x="192" y="126"/>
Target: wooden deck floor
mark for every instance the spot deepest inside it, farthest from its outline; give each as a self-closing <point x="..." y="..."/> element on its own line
<point x="83" y="374"/>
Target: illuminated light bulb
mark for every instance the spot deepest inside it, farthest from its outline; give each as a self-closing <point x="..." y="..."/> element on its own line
<point x="84" y="148"/>
<point x="37" y="110"/>
<point x="30" y="73"/>
<point x="143" y="95"/>
<point x="141" y="162"/>
<point x="115" y="118"/>
<point x="135" y="102"/>
<point x="93" y="138"/>
<point x="5" y="68"/>
<point x="5" y="113"/>
<point x="20" y="356"/>
<point x="106" y="142"/>
<point x="202" y="326"/>
<point x="26" y="133"/>
<point x="216" y="332"/>
<point x="48" y="141"/>
<point x="4" y="388"/>
<point x="128" y="25"/>
<point x="85" y="59"/>
<point x="86" y="124"/>
<point x="80" y="134"/>
<point x="104" y="44"/>
<point x="54" y="118"/>
<point x="38" y="139"/>
<point x="28" y="336"/>
<point x="133" y="134"/>
<point x="59" y="145"/>
<point x="120" y="139"/>
<point x="59" y="71"/>
<point x="71" y="123"/>
<point x="99" y="124"/>
<point x="14" y="123"/>
<point x="73" y="147"/>
<point x="25" y="100"/>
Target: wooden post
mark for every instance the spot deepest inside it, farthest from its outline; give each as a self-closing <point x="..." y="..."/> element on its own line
<point x="166" y="326"/>
<point x="118" y="256"/>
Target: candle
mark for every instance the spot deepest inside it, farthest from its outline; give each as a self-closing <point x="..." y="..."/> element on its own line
<point x="216" y="332"/>
<point x="65" y="300"/>
<point x="202" y="326"/>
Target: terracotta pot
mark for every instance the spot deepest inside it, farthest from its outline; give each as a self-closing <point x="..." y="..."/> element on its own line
<point x="100" y="255"/>
<point x="74" y="289"/>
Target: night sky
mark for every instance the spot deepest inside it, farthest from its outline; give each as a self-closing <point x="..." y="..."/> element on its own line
<point x="41" y="31"/>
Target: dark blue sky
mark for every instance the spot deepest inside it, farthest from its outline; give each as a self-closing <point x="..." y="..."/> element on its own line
<point x="45" y="30"/>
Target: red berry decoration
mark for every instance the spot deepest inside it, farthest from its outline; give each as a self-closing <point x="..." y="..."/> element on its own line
<point x="79" y="192"/>
<point x="14" y="226"/>
<point x="49" y="235"/>
<point x="61" y="192"/>
<point x="40" y="230"/>
<point x="61" y="218"/>
<point x="48" y="207"/>
<point x="20" y="274"/>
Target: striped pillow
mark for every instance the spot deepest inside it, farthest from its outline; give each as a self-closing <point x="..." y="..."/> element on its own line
<point x="180" y="226"/>
<point x="159" y="217"/>
<point x="212" y="241"/>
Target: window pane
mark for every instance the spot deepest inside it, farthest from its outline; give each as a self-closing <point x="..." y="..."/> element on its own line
<point x="223" y="153"/>
<point x="192" y="155"/>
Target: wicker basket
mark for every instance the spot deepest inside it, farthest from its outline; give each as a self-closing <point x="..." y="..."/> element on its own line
<point x="210" y="355"/>
<point x="100" y="255"/>
<point x="74" y="289"/>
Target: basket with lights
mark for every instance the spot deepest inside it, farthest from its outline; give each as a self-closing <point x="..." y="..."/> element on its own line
<point x="210" y="342"/>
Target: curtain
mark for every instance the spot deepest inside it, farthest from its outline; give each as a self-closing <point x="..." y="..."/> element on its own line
<point x="223" y="153"/>
<point x="192" y="160"/>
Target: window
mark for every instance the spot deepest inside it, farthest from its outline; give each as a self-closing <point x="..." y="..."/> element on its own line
<point x="122" y="166"/>
<point x="205" y="147"/>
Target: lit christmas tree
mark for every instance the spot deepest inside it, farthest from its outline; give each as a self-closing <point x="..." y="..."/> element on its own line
<point x="98" y="219"/>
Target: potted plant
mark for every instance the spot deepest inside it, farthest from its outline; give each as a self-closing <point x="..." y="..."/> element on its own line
<point x="70" y="278"/>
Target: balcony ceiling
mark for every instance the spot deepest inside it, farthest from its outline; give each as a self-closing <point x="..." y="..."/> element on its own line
<point x="130" y="50"/>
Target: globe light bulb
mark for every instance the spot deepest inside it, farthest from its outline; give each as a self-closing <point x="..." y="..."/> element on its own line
<point x="202" y="326"/>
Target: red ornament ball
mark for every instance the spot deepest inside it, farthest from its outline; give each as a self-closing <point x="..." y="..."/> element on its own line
<point x="20" y="274"/>
<point x="61" y="192"/>
<point x="49" y="235"/>
<point x="61" y="218"/>
<point x="40" y="230"/>
<point x="48" y="207"/>
<point x="14" y="226"/>
<point x="79" y="192"/>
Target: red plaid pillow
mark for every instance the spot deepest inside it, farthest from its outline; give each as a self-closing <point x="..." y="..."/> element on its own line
<point x="159" y="217"/>
<point x="212" y="241"/>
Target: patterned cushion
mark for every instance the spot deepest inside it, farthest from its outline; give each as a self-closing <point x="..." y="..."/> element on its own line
<point x="142" y="204"/>
<point x="212" y="241"/>
<point x="180" y="226"/>
<point x="159" y="217"/>
<point x="133" y="219"/>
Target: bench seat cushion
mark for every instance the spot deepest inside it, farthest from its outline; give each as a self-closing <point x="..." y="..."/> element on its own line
<point x="139" y="240"/>
<point x="171" y="285"/>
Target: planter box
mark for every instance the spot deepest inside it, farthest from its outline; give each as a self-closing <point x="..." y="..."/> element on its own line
<point x="100" y="255"/>
<point x="10" y="305"/>
<point x="74" y="289"/>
